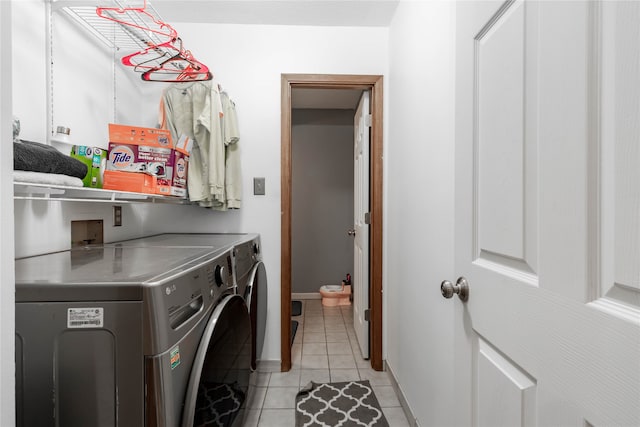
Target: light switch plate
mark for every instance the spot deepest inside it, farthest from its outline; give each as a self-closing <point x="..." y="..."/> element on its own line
<point x="258" y="186"/>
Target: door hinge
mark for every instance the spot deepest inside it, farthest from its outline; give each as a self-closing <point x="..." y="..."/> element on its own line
<point x="368" y="120"/>
<point x="367" y="218"/>
<point x="367" y="314"/>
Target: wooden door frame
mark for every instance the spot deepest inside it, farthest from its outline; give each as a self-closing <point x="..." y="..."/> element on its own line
<point x="333" y="81"/>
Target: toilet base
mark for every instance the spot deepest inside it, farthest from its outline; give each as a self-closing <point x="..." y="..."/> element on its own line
<point x="333" y="302"/>
<point x="336" y="298"/>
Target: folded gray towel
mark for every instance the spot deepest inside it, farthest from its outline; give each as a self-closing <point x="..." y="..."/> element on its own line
<point x="37" y="157"/>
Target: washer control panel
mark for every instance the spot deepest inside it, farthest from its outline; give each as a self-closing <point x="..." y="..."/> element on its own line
<point x="183" y="299"/>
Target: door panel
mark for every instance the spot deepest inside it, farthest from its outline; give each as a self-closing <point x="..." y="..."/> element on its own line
<point x="619" y="283"/>
<point x="500" y="138"/>
<point x="361" y="126"/>
<point x="547" y="202"/>
<point x="498" y="376"/>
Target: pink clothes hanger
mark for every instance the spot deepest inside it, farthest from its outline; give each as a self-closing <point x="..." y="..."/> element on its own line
<point x="138" y="17"/>
<point x="165" y="61"/>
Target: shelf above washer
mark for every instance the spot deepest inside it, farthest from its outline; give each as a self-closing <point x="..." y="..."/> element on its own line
<point x="62" y="193"/>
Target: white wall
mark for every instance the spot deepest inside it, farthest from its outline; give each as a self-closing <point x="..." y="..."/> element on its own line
<point x="248" y="61"/>
<point x="322" y="202"/>
<point x="7" y="312"/>
<point x="419" y="232"/>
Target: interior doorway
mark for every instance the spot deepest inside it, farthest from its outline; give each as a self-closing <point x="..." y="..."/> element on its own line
<point x="357" y="82"/>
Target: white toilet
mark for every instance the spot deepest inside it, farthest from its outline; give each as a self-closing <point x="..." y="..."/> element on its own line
<point x="333" y="295"/>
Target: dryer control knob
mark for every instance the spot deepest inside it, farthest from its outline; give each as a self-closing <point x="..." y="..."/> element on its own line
<point x="220" y="275"/>
<point x="256" y="248"/>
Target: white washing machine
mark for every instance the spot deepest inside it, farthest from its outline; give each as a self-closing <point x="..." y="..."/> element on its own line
<point x="119" y="335"/>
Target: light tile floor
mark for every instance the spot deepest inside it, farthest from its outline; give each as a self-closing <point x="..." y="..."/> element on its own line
<point x="325" y="349"/>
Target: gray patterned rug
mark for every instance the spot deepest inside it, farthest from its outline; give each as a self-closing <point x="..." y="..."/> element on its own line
<point x="347" y="404"/>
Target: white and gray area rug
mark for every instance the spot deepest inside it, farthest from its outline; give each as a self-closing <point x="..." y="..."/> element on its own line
<point x="345" y="404"/>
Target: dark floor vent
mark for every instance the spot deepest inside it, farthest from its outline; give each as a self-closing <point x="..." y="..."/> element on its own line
<point x="296" y="308"/>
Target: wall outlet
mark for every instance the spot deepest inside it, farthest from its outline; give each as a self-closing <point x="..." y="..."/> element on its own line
<point x="87" y="232"/>
<point x="258" y="186"/>
<point x="117" y="216"/>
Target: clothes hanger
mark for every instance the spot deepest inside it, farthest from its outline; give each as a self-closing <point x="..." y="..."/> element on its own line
<point x="165" y="61"/>
<point x="151" y="57"/>
<point x="178" y="69"/>
<point x="182" y="66"/>
<point x="138" y="17"/>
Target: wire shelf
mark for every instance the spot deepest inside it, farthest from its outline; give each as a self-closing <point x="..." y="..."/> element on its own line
<point x="148" y="44"/>
<point x="115" y="35"/>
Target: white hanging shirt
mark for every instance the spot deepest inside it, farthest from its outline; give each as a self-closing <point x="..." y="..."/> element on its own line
<point x="231" y="136"/>
<point x="195" y="109"/>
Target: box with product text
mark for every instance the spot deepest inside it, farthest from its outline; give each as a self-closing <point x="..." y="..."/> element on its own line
<point x="95" y="158"/>
<point x="147" y="151"/>
<point x="130" y="181"/>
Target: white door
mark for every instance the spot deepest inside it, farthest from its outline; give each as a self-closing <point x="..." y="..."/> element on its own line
<point x="548" y="213"/>
<point x="360" y="281"/>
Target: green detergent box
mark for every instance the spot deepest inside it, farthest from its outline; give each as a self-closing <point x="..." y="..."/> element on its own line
<point x="96" y="160"/>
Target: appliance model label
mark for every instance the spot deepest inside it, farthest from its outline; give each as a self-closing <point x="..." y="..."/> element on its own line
<point x="90" y="317"/>
<point x="175" y="357"/>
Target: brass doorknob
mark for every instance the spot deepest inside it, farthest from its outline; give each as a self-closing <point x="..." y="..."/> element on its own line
<point x="461" y="288"/>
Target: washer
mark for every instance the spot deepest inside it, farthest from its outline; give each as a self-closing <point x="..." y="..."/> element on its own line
<point x="248" y="271"/>
<point x="129" y="336"/>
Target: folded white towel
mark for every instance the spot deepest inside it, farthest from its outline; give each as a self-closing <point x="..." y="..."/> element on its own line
<point x="46" y="178"/>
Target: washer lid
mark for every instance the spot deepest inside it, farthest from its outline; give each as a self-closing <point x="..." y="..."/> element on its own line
<point x="107" y="272"/>
<point x="210" y="240"/>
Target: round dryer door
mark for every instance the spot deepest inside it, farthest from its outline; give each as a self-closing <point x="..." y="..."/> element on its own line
<point x="256" y="297"/>
<point x="219" y="381"/>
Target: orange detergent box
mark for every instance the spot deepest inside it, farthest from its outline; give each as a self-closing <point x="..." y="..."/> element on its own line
<point x="145" y="152"/>
<point x="130" y="181"/>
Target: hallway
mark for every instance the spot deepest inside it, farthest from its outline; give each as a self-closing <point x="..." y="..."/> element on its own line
<point x="324" y="350"/>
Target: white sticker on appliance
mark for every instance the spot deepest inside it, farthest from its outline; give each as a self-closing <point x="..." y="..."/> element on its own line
<point x="91" y="317"/>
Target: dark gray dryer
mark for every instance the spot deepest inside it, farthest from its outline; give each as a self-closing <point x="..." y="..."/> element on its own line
<point x="248" y="271"/>
<point x="251" y="277"/>
<point x="129" y="336"/>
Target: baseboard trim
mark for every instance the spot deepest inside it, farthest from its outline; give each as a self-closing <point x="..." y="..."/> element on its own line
<point x="306" y="295"/>
<point x="413" y="422"/>
<point x="269" y="365"/>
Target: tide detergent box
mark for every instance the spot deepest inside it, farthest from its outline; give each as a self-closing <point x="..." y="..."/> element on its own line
<point x="149" y="151"/>
<point x="130" y="181"/>
<point x="95" y="158"/>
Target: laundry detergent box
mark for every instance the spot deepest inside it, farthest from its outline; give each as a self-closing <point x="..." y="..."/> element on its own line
<point x="130" y="181"/>
<point x="149" y="151"/>
<point x="95" y="158"/>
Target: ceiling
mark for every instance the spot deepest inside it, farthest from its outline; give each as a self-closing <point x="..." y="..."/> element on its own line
<point x="356" y="13"/>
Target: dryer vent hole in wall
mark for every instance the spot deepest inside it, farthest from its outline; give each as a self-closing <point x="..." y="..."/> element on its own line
<point x="86" y="232"/>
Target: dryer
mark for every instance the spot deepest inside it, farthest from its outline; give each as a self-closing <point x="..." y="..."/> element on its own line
<point x="251" y="277"/>
<point x="248" y="271"/>
<point x="129" y="336"/>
